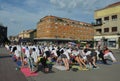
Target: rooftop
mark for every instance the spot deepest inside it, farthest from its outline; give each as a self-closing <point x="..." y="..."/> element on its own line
<point x="113" y="5"/>
<point x="109" y="6"/>
<point x="65" y="19"/>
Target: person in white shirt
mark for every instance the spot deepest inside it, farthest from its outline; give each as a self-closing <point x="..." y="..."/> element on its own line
<point x="6" y="46"/>
<point x="65" y="57"/>
<point x="91" y="56"/>
<point x="35" y="55"/>
<point x="76" y="54"/>
<point x="27" y="52"/>
<point x="54" y="55"/>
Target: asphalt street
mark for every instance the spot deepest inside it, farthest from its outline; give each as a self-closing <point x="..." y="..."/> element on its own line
<point x="104" y="73"/>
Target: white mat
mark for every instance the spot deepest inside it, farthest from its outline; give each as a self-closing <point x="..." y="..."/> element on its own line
<point x="59" y="67"/>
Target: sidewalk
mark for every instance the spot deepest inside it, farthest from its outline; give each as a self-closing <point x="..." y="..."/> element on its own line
<point x="7" y="68"/>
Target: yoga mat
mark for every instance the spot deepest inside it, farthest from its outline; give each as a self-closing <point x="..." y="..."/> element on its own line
<point x="59" y="67"/>
<point x="78" y="67"/>
<point x="26" y="71"/>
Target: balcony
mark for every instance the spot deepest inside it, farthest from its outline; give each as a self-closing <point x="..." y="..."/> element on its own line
<point x="97" y="24"/>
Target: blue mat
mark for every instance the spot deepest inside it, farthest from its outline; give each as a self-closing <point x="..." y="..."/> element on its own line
<point x="19" y="63"/>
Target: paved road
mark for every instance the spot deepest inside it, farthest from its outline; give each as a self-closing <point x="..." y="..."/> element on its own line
<point x="105" y="73"/>
<point x="7" y="68"/>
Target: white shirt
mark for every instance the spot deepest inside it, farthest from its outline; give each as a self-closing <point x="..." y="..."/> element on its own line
<point x="75" y="52"/>
<point x="34" y="56"/>
<point x="27" y="53"/>
<point x="67" y="52"/>
<point x="54" y="52"/>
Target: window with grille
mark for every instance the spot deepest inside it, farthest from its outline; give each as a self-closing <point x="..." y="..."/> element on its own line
<point x="106" y="30"/>
<point x="106" y="18"/>
<point x="114" y="29"/>
<point x="114" y="17"/>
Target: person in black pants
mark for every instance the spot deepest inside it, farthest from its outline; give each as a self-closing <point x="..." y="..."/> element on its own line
<point x="101" y="55"/>
<point x="45" y="65"/>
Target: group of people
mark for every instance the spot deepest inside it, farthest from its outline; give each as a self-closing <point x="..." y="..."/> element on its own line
<point x="33" y="55"/>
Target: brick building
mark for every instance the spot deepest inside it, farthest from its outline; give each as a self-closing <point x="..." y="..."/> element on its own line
<point x="57" y="28"/>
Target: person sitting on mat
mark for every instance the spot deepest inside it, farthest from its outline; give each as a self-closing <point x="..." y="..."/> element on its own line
<point x="108" y="53"/>
<point x="91" y="56"/>
<point x="76" y="55"/>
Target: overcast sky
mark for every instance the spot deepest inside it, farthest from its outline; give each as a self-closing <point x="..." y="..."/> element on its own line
<point x="19" y="15"/>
